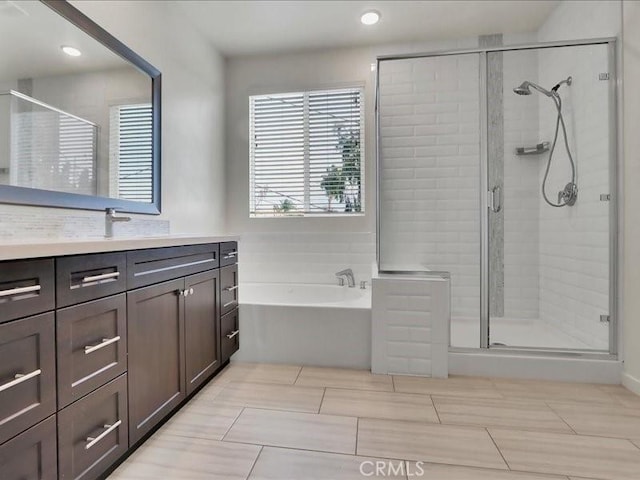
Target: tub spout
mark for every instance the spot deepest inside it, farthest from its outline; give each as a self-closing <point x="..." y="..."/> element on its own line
<point x="348" y="274"/>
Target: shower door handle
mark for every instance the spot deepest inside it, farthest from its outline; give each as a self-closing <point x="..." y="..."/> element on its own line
<point x="495" y="199"/>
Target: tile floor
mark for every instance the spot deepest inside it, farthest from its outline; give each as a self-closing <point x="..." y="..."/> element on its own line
<point x="283" y="422"/>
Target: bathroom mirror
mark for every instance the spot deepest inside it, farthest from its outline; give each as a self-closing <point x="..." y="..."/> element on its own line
<point x="79" y="113"/>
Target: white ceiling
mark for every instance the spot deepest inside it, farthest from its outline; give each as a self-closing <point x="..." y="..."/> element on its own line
<point x="237" y="27"/>
<point x="32" y="34"/>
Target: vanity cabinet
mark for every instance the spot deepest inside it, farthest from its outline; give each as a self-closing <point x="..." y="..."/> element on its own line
<point x="97" y="350"/>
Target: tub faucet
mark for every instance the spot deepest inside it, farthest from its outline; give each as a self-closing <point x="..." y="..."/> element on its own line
<point x="348" y="274"/>
<point x="109" y="219"/>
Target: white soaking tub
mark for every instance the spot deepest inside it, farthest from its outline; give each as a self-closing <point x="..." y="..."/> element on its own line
<point x="305" y="324"/>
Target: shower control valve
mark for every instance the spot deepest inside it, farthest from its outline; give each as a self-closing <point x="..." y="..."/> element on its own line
<point x="568" y="195"/>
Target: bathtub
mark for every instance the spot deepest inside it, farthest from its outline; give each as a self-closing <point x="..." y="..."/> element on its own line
<point x="305" y="324"/>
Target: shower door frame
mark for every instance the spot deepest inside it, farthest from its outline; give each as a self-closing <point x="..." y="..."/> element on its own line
<point x="611" y="43"/>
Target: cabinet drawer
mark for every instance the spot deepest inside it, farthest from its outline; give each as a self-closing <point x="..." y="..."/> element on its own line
<point x="230" y="334"/>
<point x="92" y="346"/>
<point x="32" y="455"/>
<point x="27" y="287"/>
<point x="228" y="253"/>
<point x="146" y="267"/>
<point x="27" y="373"/>
<point x="92" y="432"/>
<point x="229" y="288"/>
<point x="86" y="277"/>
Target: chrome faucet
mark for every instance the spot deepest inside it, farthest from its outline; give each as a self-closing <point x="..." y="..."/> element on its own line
<point x="109" y="219"/>
<point x="348" y="274"/>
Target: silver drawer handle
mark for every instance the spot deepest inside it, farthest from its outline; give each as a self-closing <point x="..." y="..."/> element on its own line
<point x="104" y="276"/>
<point x="91" y="441"/>
<point x="230" y="254"/>
<point x="231" y="289"/>
<point x="227" y="304"/>
<point x="19" y="290"/>
<point x="105" y="341"/>
<point x="19" y="378"/>
<point x="233" y="334"/>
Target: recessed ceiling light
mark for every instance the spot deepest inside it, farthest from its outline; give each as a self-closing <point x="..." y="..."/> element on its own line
<point x="370" y="18"/>
<point x="71" y="51"/>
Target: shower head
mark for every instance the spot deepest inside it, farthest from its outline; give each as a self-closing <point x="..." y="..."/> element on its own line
<point x="526" y="86"/>
<point x="523" y="89"/>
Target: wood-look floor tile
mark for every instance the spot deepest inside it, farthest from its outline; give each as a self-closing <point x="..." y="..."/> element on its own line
<point x="202" y="420"/>
<point x="485" y="412"/>
<point x="551" y="391"/>
<point x="278" y="397"/>
<point x="344" y="378"/>
<point x="391" y="405"/>
<point x="259" y="373"/>
<point x="173" y="457"/>
<point x="623" y="396"/>
<point x="435" y="471"/>
<point x="610" y="420"/>
<point x="453" y="386"/>
<point x="428" y="442"/>
<point x="562" y="454"/>
<point x="306" y="431"/>
<point x="286" y="464"/>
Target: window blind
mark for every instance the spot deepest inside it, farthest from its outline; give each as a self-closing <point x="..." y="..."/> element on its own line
<point x="305" y="153"/>
<point x="131" y="139"/>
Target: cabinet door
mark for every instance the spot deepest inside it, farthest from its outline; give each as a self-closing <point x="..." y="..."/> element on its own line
<point x="202" y="306"/>
<point x="31" y="455"/>
<point x="27" y="373"/>
<point x="155" y="317"/>
<point x="92" y="432"/>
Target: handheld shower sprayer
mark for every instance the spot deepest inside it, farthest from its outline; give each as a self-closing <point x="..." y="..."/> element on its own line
<point x="569" y="194"/>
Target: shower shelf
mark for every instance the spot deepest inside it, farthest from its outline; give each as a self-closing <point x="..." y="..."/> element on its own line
<point x="536" y="150"/>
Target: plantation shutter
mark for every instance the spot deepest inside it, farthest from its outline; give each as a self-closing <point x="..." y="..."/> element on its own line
<point x="305" y="153"/>
<point x="131" y="139"/>
<point x="78" y="154"/>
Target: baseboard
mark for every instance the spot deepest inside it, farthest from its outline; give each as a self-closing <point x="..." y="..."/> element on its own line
<point x="535" y="367"/>
<point x="631" y="382"/>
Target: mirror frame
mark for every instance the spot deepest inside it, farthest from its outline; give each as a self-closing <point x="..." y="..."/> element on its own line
<point x="47" y="198"/>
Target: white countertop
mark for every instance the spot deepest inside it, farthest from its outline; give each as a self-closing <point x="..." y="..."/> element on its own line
<point x="53" y="248"/>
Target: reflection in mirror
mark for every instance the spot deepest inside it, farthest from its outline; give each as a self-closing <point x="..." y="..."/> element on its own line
<point x="74" y="120"/>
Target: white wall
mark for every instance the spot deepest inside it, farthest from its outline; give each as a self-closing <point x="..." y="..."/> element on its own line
<point x="193" y="180"/>
<point x="631" y="234"/>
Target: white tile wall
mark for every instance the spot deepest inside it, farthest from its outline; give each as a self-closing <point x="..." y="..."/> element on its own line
<point x="430" y="134"/>
<point x="18" y="223"/>
<point x="305" y="257"/>
<point x="410" y="326"/>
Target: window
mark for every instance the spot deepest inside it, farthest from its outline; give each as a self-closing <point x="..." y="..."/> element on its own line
<point x="306" y="153"/>
<point x="131" y="152"/>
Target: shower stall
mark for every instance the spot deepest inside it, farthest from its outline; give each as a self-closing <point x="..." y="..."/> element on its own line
<point x="497" y="167"/>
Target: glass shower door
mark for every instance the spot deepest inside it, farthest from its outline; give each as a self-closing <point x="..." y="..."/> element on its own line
<point x="429" y="177"/>
<point x="549" y="220"/>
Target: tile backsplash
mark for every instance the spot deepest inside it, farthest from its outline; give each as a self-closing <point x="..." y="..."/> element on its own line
<point x="28" y="223"/>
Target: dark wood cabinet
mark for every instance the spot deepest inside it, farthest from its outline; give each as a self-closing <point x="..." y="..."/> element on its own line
<point x="97" y="350"/>
<point x="202" y="306"/>
<point x="27" y="373"/>
<point x="93" y="432"/>
<point x="91" y="346"/>
<point x="31" y="455"/>
<point x="155" y="317"/>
